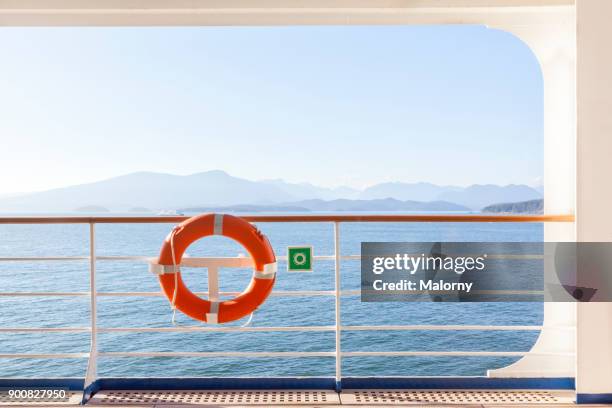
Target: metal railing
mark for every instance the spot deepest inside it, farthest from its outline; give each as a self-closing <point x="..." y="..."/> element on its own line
<point x="338" y="328"/>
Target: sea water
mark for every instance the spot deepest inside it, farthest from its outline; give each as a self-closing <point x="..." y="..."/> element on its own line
<point x="146" y="239"/>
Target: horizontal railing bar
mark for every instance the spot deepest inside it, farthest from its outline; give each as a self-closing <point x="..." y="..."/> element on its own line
<point x="230" y="260"/>
<point x="278" y="293"/>
<point x="44" y="329"/>
<point x="183" y="329"/>
<point x="450" y="292"/>
<point x="444" y="327"/>
<point x="302" y="218"/>
<point x="285" y="354"/>
<point x="41" y="356"/>
<point x="289" y="354"/>
<point x="43" y="294"/>
<point x="447" y="353"/>
<point x="148" y="258"/>
<point x="325" y="328"/>
<point x="241" y="354"/>
<point x="212" y="258"/>
<point x="41" y="258"/>
<point x="218" y="259"/>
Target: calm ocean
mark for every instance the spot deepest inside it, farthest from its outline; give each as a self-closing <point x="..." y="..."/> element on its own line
<point x="145" y="240"/>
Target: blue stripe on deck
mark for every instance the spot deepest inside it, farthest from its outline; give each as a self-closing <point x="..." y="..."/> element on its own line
<point x="312" y="383"/>
<point x="73" y="384"/>
<point x="593" y="398"/>
<point x="458" y="383"/>
<point x="210" y="383"/>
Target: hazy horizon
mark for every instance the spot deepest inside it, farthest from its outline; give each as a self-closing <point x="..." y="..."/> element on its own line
<point x="535" y="185"/>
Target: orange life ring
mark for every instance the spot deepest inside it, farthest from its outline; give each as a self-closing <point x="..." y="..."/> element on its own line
<point x="201" y="226"/>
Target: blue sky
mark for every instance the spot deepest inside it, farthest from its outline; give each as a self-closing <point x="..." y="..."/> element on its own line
<point x="327" y="105"/>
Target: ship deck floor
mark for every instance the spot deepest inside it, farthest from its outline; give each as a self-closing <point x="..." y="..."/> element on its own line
<point x="320" y="398"/>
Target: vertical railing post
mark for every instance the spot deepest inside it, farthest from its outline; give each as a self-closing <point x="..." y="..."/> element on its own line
<point x="213" y="294"/>
<point x="92" y="365"/>
<point x="337" y="289"/>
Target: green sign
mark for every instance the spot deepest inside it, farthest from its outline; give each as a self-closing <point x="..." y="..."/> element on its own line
<point x="299" y="259"/>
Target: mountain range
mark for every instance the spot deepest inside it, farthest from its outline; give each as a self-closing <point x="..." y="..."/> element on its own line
<point x="384" y="204"/>
<point x="160" y="191"/>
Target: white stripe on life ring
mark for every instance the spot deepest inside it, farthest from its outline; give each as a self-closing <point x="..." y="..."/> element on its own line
<point x="218" y="226"/>
<point x="213" y="316"/>
<point x="159" y="269"/>
<point x="269" y="271"/>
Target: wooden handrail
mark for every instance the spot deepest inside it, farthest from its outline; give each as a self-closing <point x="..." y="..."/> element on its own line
<point x="298" y="218"/>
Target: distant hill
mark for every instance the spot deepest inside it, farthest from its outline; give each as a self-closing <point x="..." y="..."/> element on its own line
<point x="214" y="189"/>
<point x="474" y="197"/>
<point x="150" y="190"/>
<point x="305" y="191"/>
<point x="406" y="191"/>
<point x="481" y="195"/>
<point x="523" y="207"/>
<point x="388" y="204"/>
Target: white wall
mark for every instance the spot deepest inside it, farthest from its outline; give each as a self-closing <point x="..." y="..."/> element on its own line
<point x="594" y="182"/>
